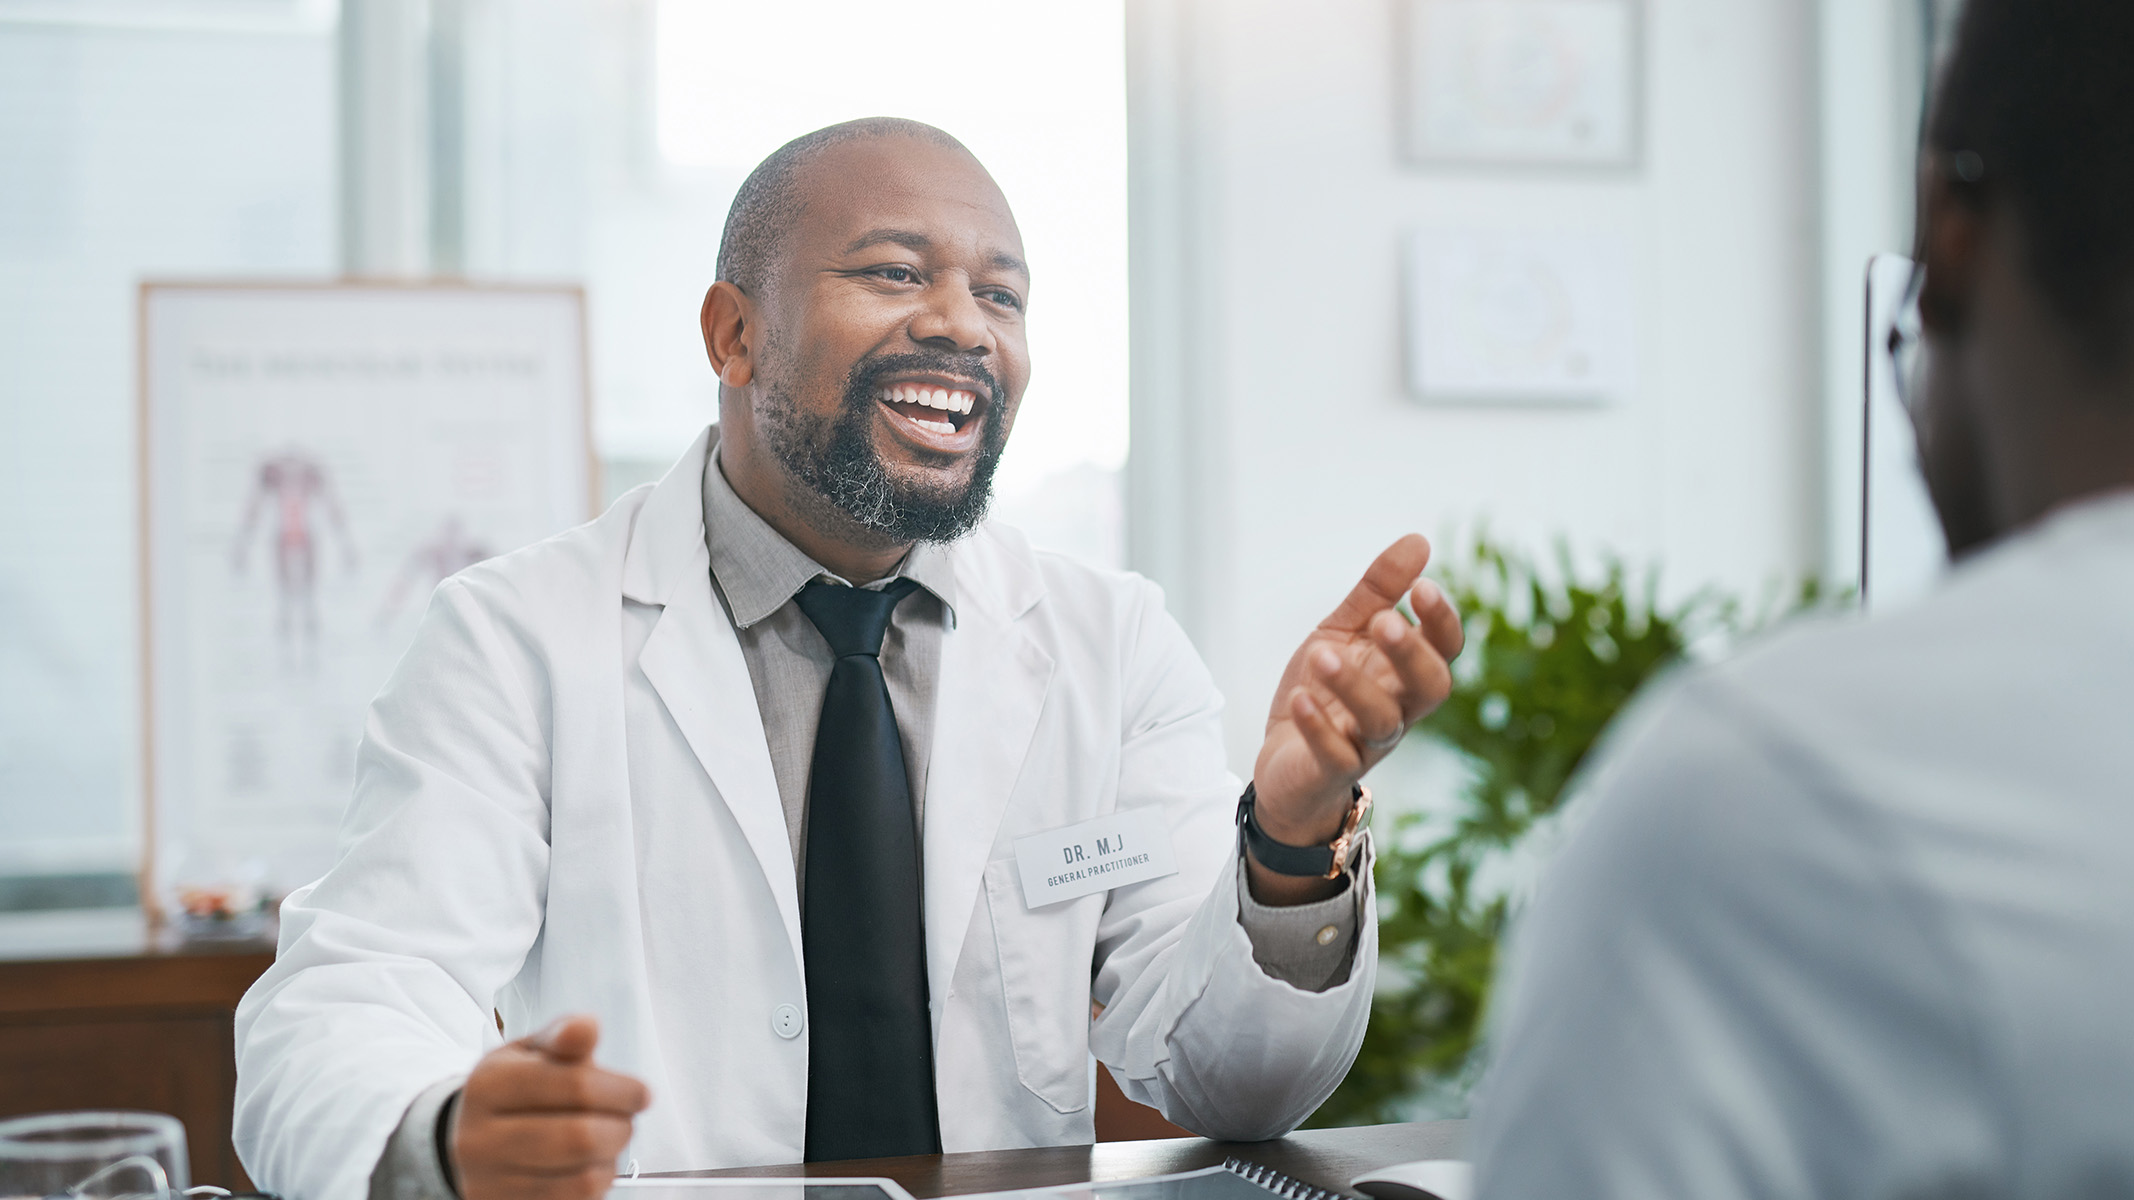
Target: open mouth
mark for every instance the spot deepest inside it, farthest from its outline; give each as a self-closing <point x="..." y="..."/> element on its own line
<point x="938" y="417"/>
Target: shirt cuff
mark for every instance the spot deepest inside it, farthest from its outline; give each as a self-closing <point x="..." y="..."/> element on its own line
<point x="1310" y="947"/>
<point x="410" y="1169"/>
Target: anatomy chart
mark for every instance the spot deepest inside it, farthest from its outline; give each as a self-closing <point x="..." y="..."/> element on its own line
<point x="316" y="460"/>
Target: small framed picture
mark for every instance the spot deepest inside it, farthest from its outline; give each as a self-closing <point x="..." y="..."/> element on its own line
<point x="1550" y="83"/>
<point x="1506" y="317"/>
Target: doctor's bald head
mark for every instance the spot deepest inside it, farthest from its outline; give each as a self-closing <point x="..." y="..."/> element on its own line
<point x="772" y="198"/>
<point x="867" y="330"/>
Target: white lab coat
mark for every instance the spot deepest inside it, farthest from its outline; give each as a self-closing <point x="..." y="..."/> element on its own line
<point x="564" y="803"/>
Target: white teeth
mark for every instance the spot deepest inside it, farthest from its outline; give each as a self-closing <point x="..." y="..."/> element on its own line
<point x="954" y="401"/>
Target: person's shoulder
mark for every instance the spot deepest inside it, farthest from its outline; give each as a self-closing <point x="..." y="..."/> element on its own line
<point x="576" y="568"/>
<point x="1001" y="557"/>
<point x="2000" y="631"/>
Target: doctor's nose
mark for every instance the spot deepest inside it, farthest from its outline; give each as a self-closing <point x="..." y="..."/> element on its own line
<point x="952" y="320"/>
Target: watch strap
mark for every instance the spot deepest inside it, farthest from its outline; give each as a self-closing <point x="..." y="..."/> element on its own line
<point x="1316" y="862"/>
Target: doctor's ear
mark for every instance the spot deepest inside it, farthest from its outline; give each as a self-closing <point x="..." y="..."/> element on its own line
<point x="726" y="317"/>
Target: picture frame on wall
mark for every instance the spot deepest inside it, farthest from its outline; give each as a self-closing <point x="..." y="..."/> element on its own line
<point x="1522" y="83"/>
<point x="314" y="460"/>
<point x="1521" y="317"/>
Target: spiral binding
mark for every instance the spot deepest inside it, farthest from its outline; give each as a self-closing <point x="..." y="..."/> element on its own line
<point x="1278" y="1183"/>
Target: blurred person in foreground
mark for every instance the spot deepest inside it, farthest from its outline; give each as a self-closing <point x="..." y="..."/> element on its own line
<point x="732" y="809"/>
<point x="1853" y="915"/>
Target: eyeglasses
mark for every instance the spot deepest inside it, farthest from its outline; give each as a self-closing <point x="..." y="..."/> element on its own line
<point x="1964" y="170"/>
<point x="1907" y="345"/>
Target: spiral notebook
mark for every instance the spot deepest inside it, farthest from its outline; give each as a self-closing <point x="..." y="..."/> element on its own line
<point x="1236" y="1179"/>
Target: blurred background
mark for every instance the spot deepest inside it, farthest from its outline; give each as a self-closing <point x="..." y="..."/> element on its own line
<point x="1530" y="273"/>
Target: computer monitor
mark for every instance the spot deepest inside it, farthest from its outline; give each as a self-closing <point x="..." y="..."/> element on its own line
<point x="1902" y="550"/>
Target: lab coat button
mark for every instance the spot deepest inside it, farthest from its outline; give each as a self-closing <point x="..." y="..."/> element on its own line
<point x="785" y="1019"/>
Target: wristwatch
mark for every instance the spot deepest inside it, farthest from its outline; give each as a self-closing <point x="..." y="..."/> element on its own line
<point x="1322" y="862"/>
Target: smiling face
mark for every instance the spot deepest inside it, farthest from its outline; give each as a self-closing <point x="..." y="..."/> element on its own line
<point x="871" y="384"/>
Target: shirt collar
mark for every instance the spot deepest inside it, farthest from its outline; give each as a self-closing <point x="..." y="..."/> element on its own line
<point x="758" y="570"/>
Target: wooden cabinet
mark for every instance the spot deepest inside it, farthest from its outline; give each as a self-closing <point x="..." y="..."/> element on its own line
<point x="150" y="1030"/>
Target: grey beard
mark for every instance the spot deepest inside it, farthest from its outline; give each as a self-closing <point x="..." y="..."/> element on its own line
<point x="835" y="460"/>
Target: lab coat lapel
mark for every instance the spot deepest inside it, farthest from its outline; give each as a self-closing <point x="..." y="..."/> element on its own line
<point x="992" y="687"/>
<point x="693" y="660"/>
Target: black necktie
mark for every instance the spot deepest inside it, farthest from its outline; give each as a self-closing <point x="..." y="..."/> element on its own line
<point x="871" y="1044"/>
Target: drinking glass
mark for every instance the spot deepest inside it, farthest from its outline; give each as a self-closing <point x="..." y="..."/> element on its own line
<point x="93" y="1155"/>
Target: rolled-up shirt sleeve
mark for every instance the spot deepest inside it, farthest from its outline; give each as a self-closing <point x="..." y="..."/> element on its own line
<point x="412" y="1167"/>
<point x="1310" y="947"/>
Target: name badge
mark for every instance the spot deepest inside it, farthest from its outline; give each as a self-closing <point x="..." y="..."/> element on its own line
<point x="1128" y="846"/>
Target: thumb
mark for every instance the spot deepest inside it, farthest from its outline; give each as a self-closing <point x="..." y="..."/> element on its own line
<point x="567" y="1039"/>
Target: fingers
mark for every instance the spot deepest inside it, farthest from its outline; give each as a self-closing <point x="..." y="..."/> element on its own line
<point x="1382" y="584"/>
<point x="1373" y="707"/>
<point x="1424" y="679"/>
<point x="529" y="1083"/>
<point x="585" y="1183"/>
<point x="1330" y="745"/>
<point x="1438" y="620"/>
<point x="545" y="1143"/>
<point x="567" y="1039"/>
<point x="538" y="1118"/>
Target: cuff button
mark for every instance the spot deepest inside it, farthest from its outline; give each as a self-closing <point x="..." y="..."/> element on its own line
<point x="1326" y="936"/>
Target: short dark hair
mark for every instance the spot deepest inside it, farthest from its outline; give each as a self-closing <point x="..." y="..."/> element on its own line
<point x="2042" y="91"/>
<point x="768" y="203"/>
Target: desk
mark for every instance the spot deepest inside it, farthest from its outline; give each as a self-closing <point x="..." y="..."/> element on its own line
<point x="1326" y="1158"/>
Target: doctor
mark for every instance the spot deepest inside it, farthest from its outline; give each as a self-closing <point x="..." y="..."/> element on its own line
<point x="858" y="824"/>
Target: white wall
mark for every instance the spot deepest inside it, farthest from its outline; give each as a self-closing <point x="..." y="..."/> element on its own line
<point x="129" y="149"/>
<point x="1275" y="448"/>
<point x="1873" y="73"/>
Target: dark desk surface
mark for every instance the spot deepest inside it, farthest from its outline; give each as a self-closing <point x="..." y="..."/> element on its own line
<point x="1326" y="1158"/>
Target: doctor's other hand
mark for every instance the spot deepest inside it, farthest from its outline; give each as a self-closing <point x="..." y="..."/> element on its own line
<point x="538" y="1119"/>
<point x="1349" y="693"/>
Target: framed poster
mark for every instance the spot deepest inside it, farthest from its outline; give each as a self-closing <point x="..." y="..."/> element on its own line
<point x="1522" y="82"/>
<point x="1504" y="317"/>
<point x="314" y="460"/>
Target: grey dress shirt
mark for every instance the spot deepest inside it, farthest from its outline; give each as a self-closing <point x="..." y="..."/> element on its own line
<point x="756" y="572"/>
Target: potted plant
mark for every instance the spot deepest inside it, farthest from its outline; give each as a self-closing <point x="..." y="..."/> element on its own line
<point x="1551" y="658"/>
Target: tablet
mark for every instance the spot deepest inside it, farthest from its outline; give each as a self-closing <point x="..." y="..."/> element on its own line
<point x="858" y="1188"/>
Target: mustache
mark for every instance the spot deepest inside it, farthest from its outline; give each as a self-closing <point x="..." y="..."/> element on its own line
<point x="866" y="374"/>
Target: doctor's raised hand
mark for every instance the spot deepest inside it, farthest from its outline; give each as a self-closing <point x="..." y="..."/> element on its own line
<point x="1349" y="692"/>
